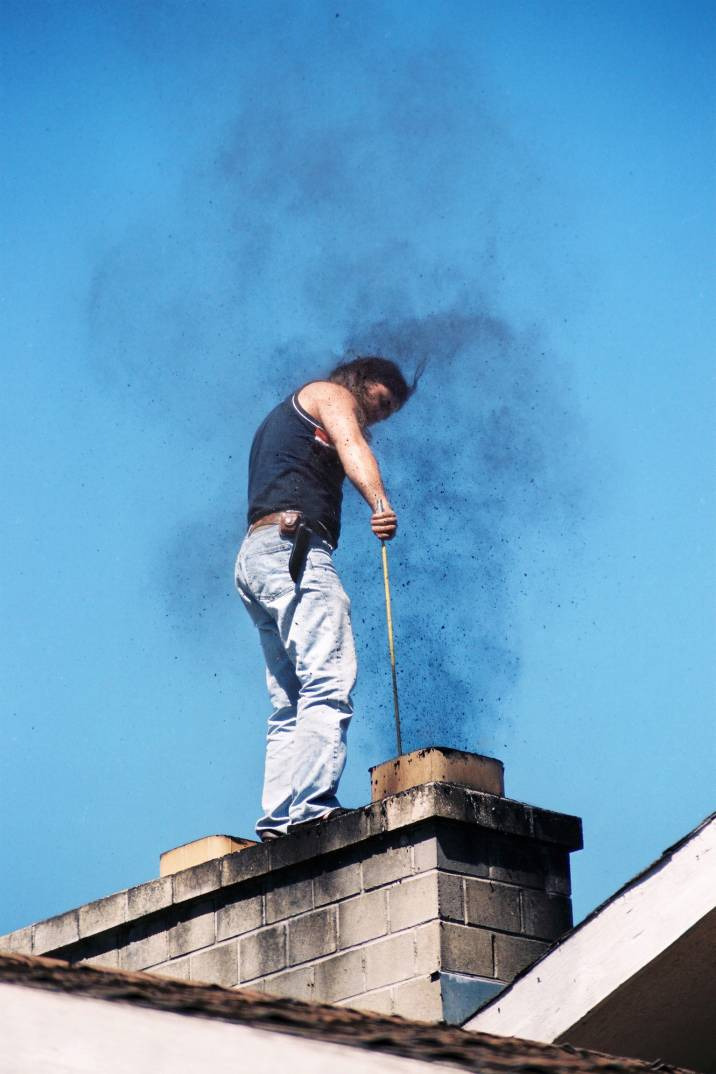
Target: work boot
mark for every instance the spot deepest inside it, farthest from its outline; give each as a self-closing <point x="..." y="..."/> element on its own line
<point x="270" y="834"/>
<point x="305" y="824"/>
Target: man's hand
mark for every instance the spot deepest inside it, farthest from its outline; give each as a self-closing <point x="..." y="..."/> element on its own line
<point x="384" y="523"/>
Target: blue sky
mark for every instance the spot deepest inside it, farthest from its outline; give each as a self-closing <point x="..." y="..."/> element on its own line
<point x="205" y="205"/>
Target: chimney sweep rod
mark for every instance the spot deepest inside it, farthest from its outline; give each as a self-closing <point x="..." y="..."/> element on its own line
<point x="391" y="643"/>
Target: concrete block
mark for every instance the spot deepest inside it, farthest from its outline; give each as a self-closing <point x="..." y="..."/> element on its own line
<point x="244" y="915"/>
<point x="349" y="829"/>
<point x="436" y="764"/>
<point x="516" y="861"/>
<point x="103" y="914"/>
<point x="295" y="984"/>
<point x="452" y="847"/>
<point x="217" y="965"/>
<point x="380" y="1002"/>
<point x="200" y="880"/>
<point x="246" y="865"/>
<point x="466" y="950"/>
<point x="411" y="807"/>
<point x="255" y="988"/>
<point x="262" y="952"/>
<point x="312" y="935"/>
<point x="447" y="801"/>
<point x="18" y="942"/>
<point x="491" y="905"/>
<point x="197" y="930"/>
<point x="497" y="814"/>
<point x="390" y="960"/>
<point x="178" y="967"/>
<point x="144" y="948"/>
<point x="107" y="960"/>
<point x="545" y="916"/>
<point x="293" y="849"/>
<point x="451" y="897"/>
<point x="556" y="870"/>
<point x="420" y="1000"/>
<point x="462" y="849"/>
<point x="413" y="901"/>
<point x="198" y="851"/>
<point x="149" y="898"/>
<point x="337" y="883"/>
<point x="386" y="865"/>
<point x="513" y="954"/>
<point x="362" y="918"/>
<point x="406" y="809"/>
<point x="427" y="940"/>
<point x="425" y="849"/>
<point x="56" y="932"/>
<point x="288" y="899"/>
<point x="339" y="977"/>
<point x="560" y="828"/>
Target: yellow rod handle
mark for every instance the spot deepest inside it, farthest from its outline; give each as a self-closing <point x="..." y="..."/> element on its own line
<point x="391" y="646"/>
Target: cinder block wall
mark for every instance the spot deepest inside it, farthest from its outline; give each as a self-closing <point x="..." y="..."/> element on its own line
<point x="424" y="904"/>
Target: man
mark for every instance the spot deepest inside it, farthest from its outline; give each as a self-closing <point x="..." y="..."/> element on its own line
<point x="286" y="578"/>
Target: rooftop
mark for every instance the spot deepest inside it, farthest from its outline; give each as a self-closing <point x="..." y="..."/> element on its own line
<point x="479" y="1052"/>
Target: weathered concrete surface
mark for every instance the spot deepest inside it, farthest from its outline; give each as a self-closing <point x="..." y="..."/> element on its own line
<point x="374" y="909"/>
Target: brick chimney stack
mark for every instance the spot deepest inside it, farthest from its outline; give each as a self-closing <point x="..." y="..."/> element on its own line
<point x="424" y="903"/>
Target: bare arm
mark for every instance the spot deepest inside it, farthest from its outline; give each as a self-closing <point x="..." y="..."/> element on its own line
<point x="336" y="410"/>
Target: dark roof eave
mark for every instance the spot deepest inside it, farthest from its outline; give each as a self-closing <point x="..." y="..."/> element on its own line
<point x="479" y="1052"/>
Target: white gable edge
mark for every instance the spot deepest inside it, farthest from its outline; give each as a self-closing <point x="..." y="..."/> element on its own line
<point x="613" y="944"/>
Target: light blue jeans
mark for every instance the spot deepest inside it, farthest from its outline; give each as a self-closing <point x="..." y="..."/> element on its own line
<point x="307" y="640"/>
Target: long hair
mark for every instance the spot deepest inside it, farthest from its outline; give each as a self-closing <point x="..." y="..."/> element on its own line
<point x="372" y="368"/>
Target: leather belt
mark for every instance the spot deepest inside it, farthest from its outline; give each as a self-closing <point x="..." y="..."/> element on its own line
<point x="301" y="532"/>
<point x="268" y="520"/>
<point x="275" y="518"/>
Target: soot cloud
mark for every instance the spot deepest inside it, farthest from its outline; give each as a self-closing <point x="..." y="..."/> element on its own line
<point x="325" y="224"/>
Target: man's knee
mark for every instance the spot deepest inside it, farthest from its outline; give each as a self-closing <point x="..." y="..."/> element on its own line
<point x="335" y="692"/>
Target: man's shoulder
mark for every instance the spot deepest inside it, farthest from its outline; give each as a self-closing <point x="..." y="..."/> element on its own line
<point x="318" y="392"/>
<point x="318" y="387"/>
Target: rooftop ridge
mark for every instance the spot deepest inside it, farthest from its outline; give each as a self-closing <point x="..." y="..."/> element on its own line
<point x="390" y="1034"/>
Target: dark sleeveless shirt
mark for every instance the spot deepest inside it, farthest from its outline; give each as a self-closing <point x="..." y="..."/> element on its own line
<point x="294" y="465"/>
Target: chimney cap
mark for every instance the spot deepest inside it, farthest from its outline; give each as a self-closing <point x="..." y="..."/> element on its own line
<point x="198" y="851"/>
<point x="437" y="764"/>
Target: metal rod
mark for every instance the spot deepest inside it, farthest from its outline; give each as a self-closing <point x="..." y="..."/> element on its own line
<point x="391" y="642"/>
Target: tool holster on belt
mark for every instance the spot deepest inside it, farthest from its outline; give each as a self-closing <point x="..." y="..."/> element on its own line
<point x="291" y="524"/>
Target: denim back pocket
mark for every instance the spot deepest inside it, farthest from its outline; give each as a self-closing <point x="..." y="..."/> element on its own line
<point x="265" y="570"/>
